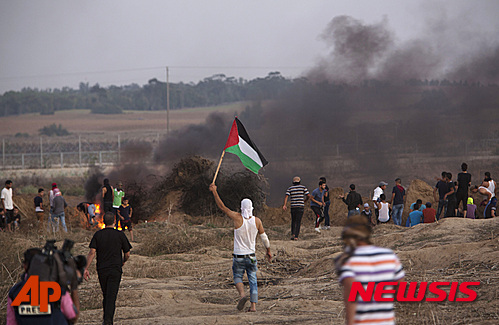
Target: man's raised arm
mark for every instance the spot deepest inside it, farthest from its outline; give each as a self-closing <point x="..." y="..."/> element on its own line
<point x="231" y="214"/>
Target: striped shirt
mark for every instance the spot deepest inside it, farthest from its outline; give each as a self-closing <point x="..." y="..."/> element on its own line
<point x="297" y="195"/>
<point x="373" y="264"/>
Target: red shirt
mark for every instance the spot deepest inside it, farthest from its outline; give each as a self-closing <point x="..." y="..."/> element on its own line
<point x="429" y="215"/>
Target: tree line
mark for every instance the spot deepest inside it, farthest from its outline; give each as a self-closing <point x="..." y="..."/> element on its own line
<point x="215" y="90"/>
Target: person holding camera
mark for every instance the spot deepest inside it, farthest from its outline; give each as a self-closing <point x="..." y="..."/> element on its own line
<point x="108" y="244"/>
<point x="66" y="271"/>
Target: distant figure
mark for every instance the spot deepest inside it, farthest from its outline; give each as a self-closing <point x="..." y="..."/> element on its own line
<point x="384" y="209"/>
<point x="471" y="208"/>
<point x="298" y="195"/>
<point x="107" y="196"/>
<point x="490" y="185"/>
<point x="463" y="184"/>
<point x="421" y="206"/>
<point x="398" y="198"/>
<point x="52" y="195"/>
<point x="368" y="214"/>
<point x="3" y="221"/>
<point x="362" y="262"/>
<point x="429" y="214"/>
<point x="16" y="219"/>
<point x="125" y="216"/>
<point x="377" y="192"/>
<point x="353" y="201"/>
<point x="39" y="213"/>
<point x="442" y="187"/>
<point x="118" y="195"/>
<point x="327" y="203"/>
<point x="317" y="204"/>
<point x="450" y="196"/>
<point x="58" y="212"/>
<point x="415" y="217"/>
<point x="246" y="229"/>
<point x="8" y="204"/>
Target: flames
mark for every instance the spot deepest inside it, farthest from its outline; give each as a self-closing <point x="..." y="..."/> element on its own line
<point x="100" y="220"/>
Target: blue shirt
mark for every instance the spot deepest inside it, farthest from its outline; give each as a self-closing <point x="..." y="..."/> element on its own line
<point x="415" y="217"/>
<point x="421" y="208"/>
<point x="317" y="194"/>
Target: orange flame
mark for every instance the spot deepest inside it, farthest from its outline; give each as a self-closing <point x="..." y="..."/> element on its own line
<point x="100" y="220"/>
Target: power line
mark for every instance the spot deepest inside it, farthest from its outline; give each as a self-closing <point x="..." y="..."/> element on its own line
<point x="184" y="67"/>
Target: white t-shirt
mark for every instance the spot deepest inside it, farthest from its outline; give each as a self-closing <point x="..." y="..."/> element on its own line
<point x="7" y="198"/>
<point x="384" y="212"/>
<point x="377" y="192"/>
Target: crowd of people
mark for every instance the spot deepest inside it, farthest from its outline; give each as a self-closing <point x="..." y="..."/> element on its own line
<point x="454" y="200"/>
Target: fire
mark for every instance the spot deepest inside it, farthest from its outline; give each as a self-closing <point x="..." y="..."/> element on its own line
<point x="100" y="219"/>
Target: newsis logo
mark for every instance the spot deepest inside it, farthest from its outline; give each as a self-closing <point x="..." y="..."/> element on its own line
<point x="409" y="291"/>
<point x="38" y="298"/>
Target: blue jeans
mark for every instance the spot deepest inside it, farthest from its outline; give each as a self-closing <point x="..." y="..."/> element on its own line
<point x="55" y="221"/>
<point x="397" y="214"/>
<point x="239" y="265"/>
<point x="442" y="205"/>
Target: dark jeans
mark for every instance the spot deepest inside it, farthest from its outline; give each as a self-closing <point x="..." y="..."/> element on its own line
<point x="326" y="214"/>
<point x="108" y="206"/>
<point x="296" y="215"/>
<point x="319" y="216"/>
<point x="109" y="280"/>
<point x="442" y="205"/>
<point x="462" y="197"/>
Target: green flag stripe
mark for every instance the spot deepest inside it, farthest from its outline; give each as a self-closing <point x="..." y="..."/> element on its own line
<point x="247" y="161"/>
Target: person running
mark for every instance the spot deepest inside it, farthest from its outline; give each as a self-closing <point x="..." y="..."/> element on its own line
<point x="39" y="213"/>
<point x="246" y="228"/>
<point x="442" y="187"/>
<point x="118" y="195"/>
<point x="113" y="251"/>
<point x="298" y="195"/>
<point x="125" y="216"/>
<point x="398" y="198"/>
<point x="429" y="214"/>
<point x="107" y="196"/>
<point x="384" y="210"/>
<point x="317" y="204"/>
<point x="363" y="262"/>
<point x="353" y="201"/>
<point x="463" y="184"/>
<point x="8" y="204"/>
<point x="377" y="192"/>
<point x="327" y="203"/>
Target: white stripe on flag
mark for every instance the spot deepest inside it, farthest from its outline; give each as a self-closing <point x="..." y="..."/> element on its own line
<point x="249" y="151"/>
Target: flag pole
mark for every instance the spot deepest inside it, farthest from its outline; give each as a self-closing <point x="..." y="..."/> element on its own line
<point x="218" y="168"/>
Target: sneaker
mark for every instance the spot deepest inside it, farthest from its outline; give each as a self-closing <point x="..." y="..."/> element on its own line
<point x="318" y="230"/>
<point x="327" y="227"/>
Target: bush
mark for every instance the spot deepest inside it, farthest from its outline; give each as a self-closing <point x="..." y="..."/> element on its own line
<point x="53" y="129"/>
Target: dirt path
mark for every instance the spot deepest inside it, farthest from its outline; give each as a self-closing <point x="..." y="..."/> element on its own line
<point x="300" y="285"/>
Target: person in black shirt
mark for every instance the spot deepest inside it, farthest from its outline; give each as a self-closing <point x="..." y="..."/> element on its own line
<point x="450" y="196"/>
<point x="109" y="244"/>
<point x="353" y="201"/>
<point x="442" y="187"/>
<point x="463" y="183"/>
<point x="327" y="203"/>
<point x="107" y="196"/>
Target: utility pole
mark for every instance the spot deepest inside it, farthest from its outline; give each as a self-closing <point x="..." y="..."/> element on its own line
<point x="167" y="103"/>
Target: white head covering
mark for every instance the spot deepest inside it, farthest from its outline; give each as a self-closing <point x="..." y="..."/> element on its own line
<point x="246" y="208"/>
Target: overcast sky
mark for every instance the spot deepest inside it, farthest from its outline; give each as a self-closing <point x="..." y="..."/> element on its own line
<point x="51" y="44"/>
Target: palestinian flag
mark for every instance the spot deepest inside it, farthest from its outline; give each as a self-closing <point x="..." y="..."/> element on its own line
<point x="240" y="144"/>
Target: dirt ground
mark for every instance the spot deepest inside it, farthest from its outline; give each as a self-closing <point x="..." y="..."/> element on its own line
<point x="194" y="285"/>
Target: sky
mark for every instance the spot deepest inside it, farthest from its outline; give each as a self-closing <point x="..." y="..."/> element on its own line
<point x="56" y="43"/>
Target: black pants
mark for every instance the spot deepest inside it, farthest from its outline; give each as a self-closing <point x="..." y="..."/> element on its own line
<point x="319" y="216"/>
<point x="108" y="206"/>
<point x="296" y="215"/>
<point x="462" y="197"/>
<point x="109" y="280"/>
